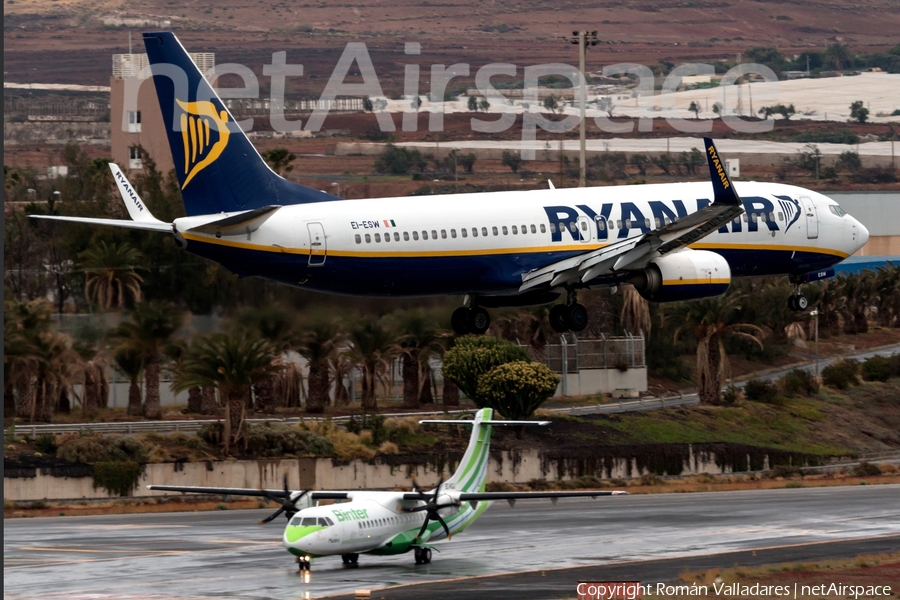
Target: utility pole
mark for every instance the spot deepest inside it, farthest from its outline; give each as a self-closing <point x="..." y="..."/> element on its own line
<point x="583" y="39"/>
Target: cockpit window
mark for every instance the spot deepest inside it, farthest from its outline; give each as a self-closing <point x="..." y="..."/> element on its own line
<point x="308" y="522"/>
<point x="836" y="209"/>
<point x="296" y="521"/>
<point x="323" y="522"/>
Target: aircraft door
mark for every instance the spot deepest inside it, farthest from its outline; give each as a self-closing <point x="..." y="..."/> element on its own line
<point x="317" y="246"/>
<point x="812" y="218"/>
<point x="586" y="229"/>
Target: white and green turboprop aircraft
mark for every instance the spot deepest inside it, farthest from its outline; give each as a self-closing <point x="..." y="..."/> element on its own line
<point x="382" y="523"/>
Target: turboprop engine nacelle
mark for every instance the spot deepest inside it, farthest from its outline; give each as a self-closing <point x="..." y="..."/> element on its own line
<point x="683" y="275"/>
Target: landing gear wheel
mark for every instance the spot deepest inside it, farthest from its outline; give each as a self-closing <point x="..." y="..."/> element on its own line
<point x="577" y="317"/>
<point x="418" y="555"/>
<point x="350" y="559"/>
<point x="801" y="302"/>
<point x="792" y="302"/>
<point x="459" y="321"/>
<point x="559" y="318"/>
<point x="302" y="563"/>
<point x="426" y="556"/>
<point x="479" y="320"/>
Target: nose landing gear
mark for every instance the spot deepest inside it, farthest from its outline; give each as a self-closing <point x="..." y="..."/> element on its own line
<point x="303" y="563"/>
<point x="422" y="555"/>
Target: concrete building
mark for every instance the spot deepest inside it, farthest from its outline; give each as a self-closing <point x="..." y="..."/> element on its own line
<point x="140" y="125"/>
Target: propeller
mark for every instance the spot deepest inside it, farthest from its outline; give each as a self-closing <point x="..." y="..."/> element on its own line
<point x="288" y="504"/>
<point x="431" y="508"/>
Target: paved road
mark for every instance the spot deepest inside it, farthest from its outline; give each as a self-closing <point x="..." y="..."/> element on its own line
<point x="225" y="554"/>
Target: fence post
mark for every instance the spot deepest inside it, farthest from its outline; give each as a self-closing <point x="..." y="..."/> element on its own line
<point x="565" y="365"/>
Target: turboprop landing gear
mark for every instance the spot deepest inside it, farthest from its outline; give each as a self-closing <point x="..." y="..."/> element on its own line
<point x="570" y="316"/>
<point x="303" y="563"/>
<point x="470" y="320"/>
<point x="351" y="560"/>
<point x="423" y="555"/>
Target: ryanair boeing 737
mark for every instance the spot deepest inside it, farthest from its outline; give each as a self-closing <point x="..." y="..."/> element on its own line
<point x="675" y="241"/>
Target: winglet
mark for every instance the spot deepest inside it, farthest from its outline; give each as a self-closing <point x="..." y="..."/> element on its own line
<point x="136" y="208"/>
<point x="725" y="194"/>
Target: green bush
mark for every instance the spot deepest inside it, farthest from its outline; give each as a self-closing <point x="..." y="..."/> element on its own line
<point x="841" y="374"/>
<point x="93" y="448"/>
<point x="399" y="161"/>
<point x="118" y="478"/>
<point x="518" y="388"/>
<point x="473" y="356"/>
<point x="798" y="383"/>
<point x="46" y="443"/>
<point x="212" y="433"/>
<point x="865" y="469"/>
<point x="877" y="368"/>
<point x="760" y="390"/>
<point x="732" y="395"/>
<point x="271" y="440"/>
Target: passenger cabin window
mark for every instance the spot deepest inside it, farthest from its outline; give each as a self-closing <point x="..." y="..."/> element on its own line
<point x="387" y="237"/>
<point x="647" y="223"/>
<point x="524" y="229"/>
<point x="377" y="237"/>
<point x="464" y="232"/>
<point x="515" y="230"/>
<point x="358" y="239"/>
<point x="771" y="217"/>
<point x="552" y="228"/>
<point x="415" y="235"/>
<point x="443" y="234"/>
<point x="658" y="224"/>
<point x="543" y="228"/>
<point x="780" y="216"/>
<point x="453" y="233"/>
<point x="484" y="231"/>
<point x="619" y="223"/>
<point x="434" y="234"/>
<point x="505" y="230"/>
<point x="396" y="237"/>
<point x="601" y="225"/>
<point x="424" y="235"/>
<point x="584" y="225"/>
<point x="474" y="232"/>
<point x="494" y="230"/>
<point x="368" y="239"/>
<point x="405" y="236"/>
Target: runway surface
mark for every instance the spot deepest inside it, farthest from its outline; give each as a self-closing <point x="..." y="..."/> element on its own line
<point x="227" y="555"/>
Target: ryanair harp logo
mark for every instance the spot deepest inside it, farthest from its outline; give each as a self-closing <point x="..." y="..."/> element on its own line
<point x="198" y="123"/>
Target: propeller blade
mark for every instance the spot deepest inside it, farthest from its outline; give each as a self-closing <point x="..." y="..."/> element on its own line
<point x="421" y="531"/>
<point x="416" y="509"/>
<point x="271" y="517"/>
<point x="437" y="490"/>
<point x="443" y="524"/>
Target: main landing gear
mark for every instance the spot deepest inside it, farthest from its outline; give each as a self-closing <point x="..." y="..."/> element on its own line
<point x="351" y="560"/>
<point x="797" y="302"/>
<point x="472" y="319"/>
<point x="423" y="555"/>
<point x="570" y="316"/>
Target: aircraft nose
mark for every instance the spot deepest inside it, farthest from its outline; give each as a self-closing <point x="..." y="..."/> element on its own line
<point x="863" y="234"/>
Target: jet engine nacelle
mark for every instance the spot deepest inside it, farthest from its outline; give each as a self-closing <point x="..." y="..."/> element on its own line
<point x="683" y="275"/>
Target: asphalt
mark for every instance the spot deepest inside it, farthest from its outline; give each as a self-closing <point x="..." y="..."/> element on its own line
<point x="225" y="554"/>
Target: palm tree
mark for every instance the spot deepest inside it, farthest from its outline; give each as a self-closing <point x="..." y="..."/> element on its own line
<point x="232" y="363"/>
<point x="710" y="321"/>
<point x="888" y="281"/>
<point x="130" y="362"/>
<point x="275" y="324"/>
<point x="19" y="357"/>
<point x="341" y="365"/>
<point x="93" y="373"/>
<point x="859" y="290"/>
<point x="57" y="368"/>
<point x="635" y="316"/>
<point x="111" y="274"/>
<point x="373" y="346"/>
<point x="419" y="335"/>
<point x="149" y="331"/>
<point x="838" y="56"/>
<point x="318" y="345"/>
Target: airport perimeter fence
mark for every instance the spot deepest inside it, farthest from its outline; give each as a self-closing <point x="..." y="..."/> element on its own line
<point x="613" y="352"/>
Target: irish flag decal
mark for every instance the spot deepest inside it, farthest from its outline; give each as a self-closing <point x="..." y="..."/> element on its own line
<point x="389" y="223"/>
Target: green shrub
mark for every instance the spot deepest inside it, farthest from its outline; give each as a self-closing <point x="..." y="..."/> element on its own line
<point x="761" y="390"/>
<point x="46" y="443"/>
<point x="877" y="368"/>
<point x="517" y="389"/>
<point x="271" y="440"/>
<point x="118" y="478"/>
<point x="399" y="161"/>
<point x="799" y="383"/>
<point x="93" y="448"/>
<point x="473" y="356"/>
<point x="841" y="374"/>
<point x="732" y="395"/>
<point x="865" y="469"/>
<point x="212" y="433"/>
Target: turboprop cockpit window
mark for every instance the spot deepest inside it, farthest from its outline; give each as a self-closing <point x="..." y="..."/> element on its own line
<point x="836" y="209"/>
<point x="295" y="522"/>
<point x="325" y="522"/>
<point x="308" y="522"/>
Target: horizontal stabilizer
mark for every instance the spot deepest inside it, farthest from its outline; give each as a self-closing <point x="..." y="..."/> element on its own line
<point x="145" y="225"/>
<point x="241" y="223"/>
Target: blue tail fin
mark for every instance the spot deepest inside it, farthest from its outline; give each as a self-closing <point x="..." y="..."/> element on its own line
<point x="218" y="168"/>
